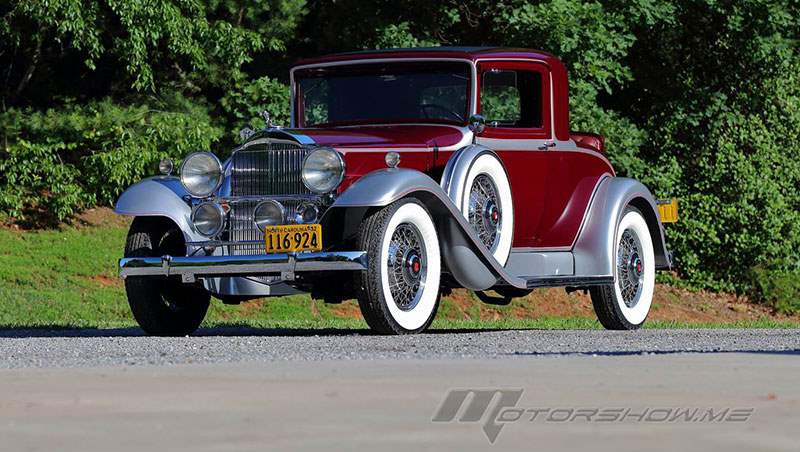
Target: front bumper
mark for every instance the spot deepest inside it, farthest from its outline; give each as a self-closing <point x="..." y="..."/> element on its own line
<point x="286" y="265"/>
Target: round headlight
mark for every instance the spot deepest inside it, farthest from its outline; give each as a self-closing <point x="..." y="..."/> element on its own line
<point x="268" y="213"/>
<point x="201" y="173"/>
<point x="323" y="170"/>
<point x="208" y="219"/>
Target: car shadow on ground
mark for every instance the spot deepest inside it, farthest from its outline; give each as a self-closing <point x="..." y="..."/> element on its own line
<point x="231" y="330"/>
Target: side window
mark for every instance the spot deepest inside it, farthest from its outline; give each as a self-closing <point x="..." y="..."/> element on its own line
<point x="512" y="98"/>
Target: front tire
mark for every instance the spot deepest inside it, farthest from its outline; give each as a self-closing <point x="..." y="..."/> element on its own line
<point x="625" y="304"/>
<point x="162" y="306"/>
<point x="399" y="292"/>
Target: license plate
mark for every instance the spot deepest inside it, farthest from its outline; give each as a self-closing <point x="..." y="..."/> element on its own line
<point x="293" y="238"/>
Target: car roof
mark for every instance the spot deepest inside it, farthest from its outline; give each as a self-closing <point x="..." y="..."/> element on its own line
<point x="466" y="53"/>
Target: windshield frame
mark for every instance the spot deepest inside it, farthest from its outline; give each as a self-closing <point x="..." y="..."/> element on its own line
<point x="296" y="75"/>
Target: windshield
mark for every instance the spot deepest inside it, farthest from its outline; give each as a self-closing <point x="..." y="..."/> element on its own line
<point x="383" y="93"/>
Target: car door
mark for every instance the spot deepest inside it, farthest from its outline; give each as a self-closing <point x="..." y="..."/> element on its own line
<point x="515" y="101"/>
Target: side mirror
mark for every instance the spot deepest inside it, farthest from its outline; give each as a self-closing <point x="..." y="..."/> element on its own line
<point x="476" y="124"/>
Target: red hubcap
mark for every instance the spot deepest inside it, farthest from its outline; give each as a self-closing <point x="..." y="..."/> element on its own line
<point x="413" y="264"/>
<point x="636" y="265"/>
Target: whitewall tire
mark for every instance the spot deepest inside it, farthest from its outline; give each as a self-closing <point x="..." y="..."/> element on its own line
<point x="625" y="304"/>
<point x="487" y="205"/>
<point x="399" y="292"/>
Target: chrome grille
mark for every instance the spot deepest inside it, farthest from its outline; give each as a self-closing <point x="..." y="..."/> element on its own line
<point x="262" y="171"/>
<point x="268" y="169"/>
<point x="242" y="228"/>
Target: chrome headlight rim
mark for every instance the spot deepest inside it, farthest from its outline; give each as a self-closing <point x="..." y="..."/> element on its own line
<point x="339" y="179"/>
<point x="281" y="218"/>
<point x="220" y="213"/>
<point x="218" y="168"/>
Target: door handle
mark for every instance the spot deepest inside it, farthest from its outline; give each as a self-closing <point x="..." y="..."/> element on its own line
<point x="547" y="144"/>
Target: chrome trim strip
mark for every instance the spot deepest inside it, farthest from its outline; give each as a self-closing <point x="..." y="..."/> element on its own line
<point x="190" y="267"/>
<point x="256" y="198"/>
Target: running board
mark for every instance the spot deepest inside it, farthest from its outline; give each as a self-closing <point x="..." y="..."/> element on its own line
<point x="567" y="281"/>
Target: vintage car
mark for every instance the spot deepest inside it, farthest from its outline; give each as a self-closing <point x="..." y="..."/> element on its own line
<point x="405" y="173"/>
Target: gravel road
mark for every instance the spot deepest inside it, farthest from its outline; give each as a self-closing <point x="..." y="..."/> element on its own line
<point x="80" y="348"/>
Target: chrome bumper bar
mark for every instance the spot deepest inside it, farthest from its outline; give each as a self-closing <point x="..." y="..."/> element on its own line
<point x="285" y="265"/>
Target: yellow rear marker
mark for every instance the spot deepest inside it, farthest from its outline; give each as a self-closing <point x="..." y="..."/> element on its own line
<point x="668" y="210"/>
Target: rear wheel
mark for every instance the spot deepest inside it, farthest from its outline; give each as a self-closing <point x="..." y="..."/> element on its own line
<point x="399" y="292"/>
<point x="162" y="306"/>
<point x="625" y="304"/>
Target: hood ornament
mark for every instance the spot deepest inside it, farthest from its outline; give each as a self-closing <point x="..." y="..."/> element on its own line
<point x="268" y="120"/>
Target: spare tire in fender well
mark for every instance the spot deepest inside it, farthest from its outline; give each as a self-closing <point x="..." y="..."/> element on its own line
<point x="462" y="253"/>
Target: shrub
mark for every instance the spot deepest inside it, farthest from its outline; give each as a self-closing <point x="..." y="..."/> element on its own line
<point x="58" y="161"/>
<point x="244" y="103"/>
<point x="722" y="109"/>
<point x="778" y="287"/>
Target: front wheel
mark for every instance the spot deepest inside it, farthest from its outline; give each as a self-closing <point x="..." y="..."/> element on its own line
<point x="399" y="292"/>
<point x="625" y="304"/>
<point x="162" y="306"/>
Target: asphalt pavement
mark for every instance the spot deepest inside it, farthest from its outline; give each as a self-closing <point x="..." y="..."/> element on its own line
<point x="235" y="389"/>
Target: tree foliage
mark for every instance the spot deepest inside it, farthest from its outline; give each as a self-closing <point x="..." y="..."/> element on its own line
<point x="698" y="98"/>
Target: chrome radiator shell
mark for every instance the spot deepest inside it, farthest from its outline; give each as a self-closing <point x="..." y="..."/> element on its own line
<point x="270" y="170"/>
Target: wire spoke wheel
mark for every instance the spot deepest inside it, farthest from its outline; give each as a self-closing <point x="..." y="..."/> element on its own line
<point x="407" y="266"/>
<point x="484" y="212"/>
<point x="630" y="268"/>
<point x="624" y="305"/>
<point x="398" y="293"/>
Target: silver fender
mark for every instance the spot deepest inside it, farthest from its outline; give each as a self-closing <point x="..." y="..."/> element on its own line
<point x="455" y="173"/>
<point x="160" y="196"/>
<point x="467" y="259"/>
<point x="594" y="247"/>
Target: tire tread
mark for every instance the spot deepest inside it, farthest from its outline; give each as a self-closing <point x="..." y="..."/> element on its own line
<point x="143" y="293"/>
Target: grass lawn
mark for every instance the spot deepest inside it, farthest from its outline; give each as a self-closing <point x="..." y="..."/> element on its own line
<point x="67" y="278"/>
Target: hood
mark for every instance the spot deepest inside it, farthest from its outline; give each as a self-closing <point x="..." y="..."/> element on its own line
<point x="381" y="136"/>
